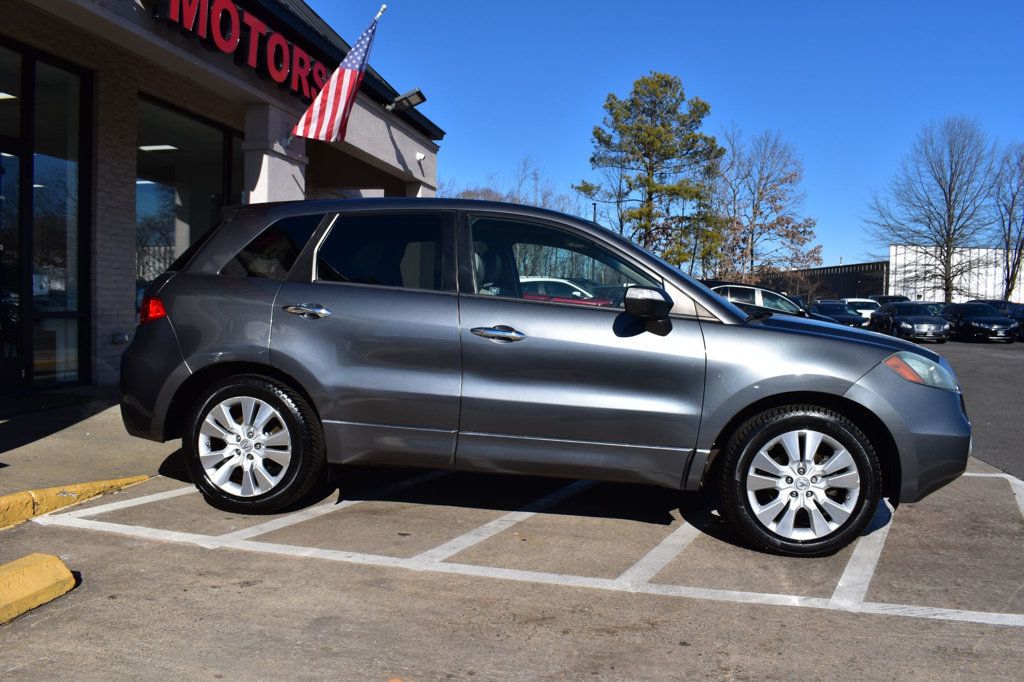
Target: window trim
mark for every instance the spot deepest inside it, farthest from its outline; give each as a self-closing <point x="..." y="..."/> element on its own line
<point x="448" y="259"/>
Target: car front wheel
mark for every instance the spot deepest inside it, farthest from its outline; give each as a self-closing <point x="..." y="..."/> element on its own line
<point x="253" y="445"/>
<point x="800" y="480"/>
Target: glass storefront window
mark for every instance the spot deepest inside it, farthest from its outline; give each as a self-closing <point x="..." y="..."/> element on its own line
<point x="55" y="191"/>
<point x="55" y="350"/>
<point x="182" y="183"/>
<point x="10" y="263"/>
<point x="10" y="93"/>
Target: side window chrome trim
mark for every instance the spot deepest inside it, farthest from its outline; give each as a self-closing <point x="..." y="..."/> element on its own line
<point x="319" y="243"/>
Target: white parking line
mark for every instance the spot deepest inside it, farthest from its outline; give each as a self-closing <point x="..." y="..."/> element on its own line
<point x="856" y="578"/>
<point x="659" y="557"/>
<point x="847" y="597"/>
<point x="125" y="504"/>
<point x="328" y="507"/>
<point x="492" y="528"/>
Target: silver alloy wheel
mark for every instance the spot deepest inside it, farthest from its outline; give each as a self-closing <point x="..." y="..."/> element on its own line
<point x="244" y="446"/>
<point x="803" y="485"/>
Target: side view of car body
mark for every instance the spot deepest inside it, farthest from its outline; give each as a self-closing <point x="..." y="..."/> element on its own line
<point x="758" y="299"/>
<point x="839" y="312"/>
<point x="915" y="321"/>
<point x="397" y="332"/>
<point x="972" y="321"/>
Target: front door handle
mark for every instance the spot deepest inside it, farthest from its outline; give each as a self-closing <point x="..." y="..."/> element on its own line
<point x="308" y="311"/>
<point x="501" y="333"/>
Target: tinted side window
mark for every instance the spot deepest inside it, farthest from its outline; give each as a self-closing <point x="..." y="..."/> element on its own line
<point x="391" y="250"/>
<point x="772" y="300"/>
<point x="273" y="252"/>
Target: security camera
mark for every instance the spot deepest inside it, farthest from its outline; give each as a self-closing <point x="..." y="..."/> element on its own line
<point x="420" y="156"/>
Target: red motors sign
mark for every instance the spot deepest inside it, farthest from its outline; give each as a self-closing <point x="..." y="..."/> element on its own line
<point x="234" y="31"/>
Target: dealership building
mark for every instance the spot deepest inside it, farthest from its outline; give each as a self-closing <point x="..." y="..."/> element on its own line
<point x="125" y="128"/>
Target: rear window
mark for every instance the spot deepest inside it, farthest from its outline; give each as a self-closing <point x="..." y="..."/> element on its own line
<point x="181" y="261"/>
<point x="272" y="253"/>
<point x="389" y="250"/>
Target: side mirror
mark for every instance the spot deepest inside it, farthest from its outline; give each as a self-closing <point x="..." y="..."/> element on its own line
<point x="647" y="302"/>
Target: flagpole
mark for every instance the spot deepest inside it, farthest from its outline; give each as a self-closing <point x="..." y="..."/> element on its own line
<point x="383" y="9"/>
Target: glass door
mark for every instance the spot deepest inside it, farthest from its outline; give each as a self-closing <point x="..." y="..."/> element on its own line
<point x="12" y="351"/>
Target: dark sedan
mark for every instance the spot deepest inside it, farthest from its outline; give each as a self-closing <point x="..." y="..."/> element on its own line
<point x="914" y="321"/>
<point x="1002" y="307"/>
<point x="979" y="321"/>
<point x="1017" y="315"/>
<point x="839" y="312"/>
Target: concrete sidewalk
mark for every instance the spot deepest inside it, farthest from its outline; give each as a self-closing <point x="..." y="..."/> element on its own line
<point x="73" y="444"/>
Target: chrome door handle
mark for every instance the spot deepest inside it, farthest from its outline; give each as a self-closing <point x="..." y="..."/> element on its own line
<point x="500" y="332"/>
<point x="308" y="311"/>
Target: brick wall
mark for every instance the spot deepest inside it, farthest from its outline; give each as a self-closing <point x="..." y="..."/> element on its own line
<point x="118" y="78"/>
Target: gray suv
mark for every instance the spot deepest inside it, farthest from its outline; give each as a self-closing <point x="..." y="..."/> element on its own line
<point x="399" y="332"/>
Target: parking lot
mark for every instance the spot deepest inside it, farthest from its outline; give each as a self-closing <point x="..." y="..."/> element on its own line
<point x="425" y="575"/>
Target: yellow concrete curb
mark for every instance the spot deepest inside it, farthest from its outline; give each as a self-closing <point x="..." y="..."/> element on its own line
<point x="31" y="581"/>
<point x="18" y="507"/>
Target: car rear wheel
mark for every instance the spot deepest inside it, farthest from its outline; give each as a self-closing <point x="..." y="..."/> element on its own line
<point x="800" y="480"/>
<point x="253" y="445"/>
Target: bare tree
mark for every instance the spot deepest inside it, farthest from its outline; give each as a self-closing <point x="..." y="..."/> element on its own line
<point x="759" y="203"/>
<point x="937" y="204"/>
<point x="1008" y="196"/>
<point x="528" y="185"/>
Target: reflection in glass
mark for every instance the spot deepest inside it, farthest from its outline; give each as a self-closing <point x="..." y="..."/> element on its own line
<point x="10" y="93"/>
<point x="55" y="350"/>
<point x="55" y="191"/>
<point x="9" y="259"/>
<point x="179" y="187"/>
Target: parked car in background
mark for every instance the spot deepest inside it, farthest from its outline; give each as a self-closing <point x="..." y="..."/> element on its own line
<point x="566" y="291"/>
<point x="968" y="321"/>
<point x="1017" y="315"/>
<point x="839" y="312"/>
<point x="914" y="321"/>
<point x="359" y="331"/>
<point x="863" y="306"/>
<point x="755" y="299"/>
<point x="1002" y="307"/>
<point x="882" y="300"/>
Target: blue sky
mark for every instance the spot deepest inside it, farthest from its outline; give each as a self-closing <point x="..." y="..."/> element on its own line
<point x="849" y="84"/>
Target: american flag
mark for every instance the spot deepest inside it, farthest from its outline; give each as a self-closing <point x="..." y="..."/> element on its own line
<point x="327" y="117"/>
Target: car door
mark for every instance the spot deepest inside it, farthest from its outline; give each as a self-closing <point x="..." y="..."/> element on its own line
<point x="368" y="322"/>
<point x="566" y="388"/>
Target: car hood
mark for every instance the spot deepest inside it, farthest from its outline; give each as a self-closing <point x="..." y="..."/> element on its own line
<point x="842" y="334"/>
<point x="990" y="320"/>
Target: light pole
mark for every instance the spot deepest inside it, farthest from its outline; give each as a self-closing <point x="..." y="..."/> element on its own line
<point x="594" y="204"/>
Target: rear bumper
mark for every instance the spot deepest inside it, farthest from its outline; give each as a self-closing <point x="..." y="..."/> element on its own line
<point x="151" y="369"/>
<point x="929" y="426"/>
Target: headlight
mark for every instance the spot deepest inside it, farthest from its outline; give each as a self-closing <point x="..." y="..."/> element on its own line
<point x="920" y="370"/>
<point x="906" y="325"/>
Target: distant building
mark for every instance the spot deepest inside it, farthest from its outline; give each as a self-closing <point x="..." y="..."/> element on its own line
<point x="984" y="279"/>
<point x="900" y="275"/>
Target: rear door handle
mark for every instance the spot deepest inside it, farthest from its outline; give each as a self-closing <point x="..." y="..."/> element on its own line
<point x="501" y="333"/>
<point x="308" y="311"/>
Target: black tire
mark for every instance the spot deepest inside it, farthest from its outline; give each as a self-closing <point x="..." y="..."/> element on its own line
<point x="306" y="442"/>
<point x="758" y="431"/>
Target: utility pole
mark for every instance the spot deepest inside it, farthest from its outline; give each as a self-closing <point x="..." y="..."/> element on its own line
<point x="594" y="204"/>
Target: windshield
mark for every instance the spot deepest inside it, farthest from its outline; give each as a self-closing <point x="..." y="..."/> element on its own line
<point x="863" y="305"/>
<point x="980" y="310"/>
<point x="834" y="309"/>
<point x="914" y="309"/>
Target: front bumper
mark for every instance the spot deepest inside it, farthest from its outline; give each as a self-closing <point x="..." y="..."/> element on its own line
<point x="929" y="426"/>
<point x="992" y="334"/>
<point x="921" y="335"/>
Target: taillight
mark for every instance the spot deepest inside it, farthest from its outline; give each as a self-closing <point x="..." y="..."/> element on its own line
<point x="152" y="309"/>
